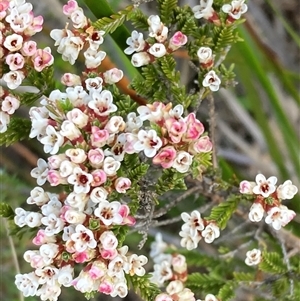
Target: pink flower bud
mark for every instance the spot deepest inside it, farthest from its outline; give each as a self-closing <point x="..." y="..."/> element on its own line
<point x="165" y="157"/>
<point x="69" y="8"/>
<point x="29" y="48"/>
<point x="99" y="137"/>
<point x="202" y="145"/>
<point x="96" y="157"/>
<point x="179" y="39"/>
<point x="122" y="184"/>
<point x="99" y="177"/>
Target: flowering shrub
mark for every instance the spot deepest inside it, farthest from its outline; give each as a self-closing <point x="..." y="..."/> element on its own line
<point x="113" y="155"/>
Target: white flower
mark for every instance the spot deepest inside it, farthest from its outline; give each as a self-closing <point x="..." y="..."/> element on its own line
<point x="20" y="217"/>
<point x="111" y="166"/>
<point x="253" y="257"/>
<point x="286" y="215"/>
<point x="13" y="79"/>
<point x="235" y="9"/>
<point x="134" y="265"/>
<point x="40" y="172"/>
<point x="49" y="251"/>
<point x="94" y="84"/>
<point x="193" y="223"/>
<point x="157" y="29"/>
<point x="13" y="42"/>
<point x="264" y="186"/>
<point x="33" y="219"/>
<point x="77" y="200"/>
<point x="38" y="196"/>
<point x="158" y="246"/>
<point x="53" y="223"/>
<point x="93" y="58"/>
<point x="279" y="216"/>
<point x="15" y="61"/>
<point x="108" y="240"/>
<point x="140" y="59"/>
<point x="73" y="216"/>
<point x="108" y="213"/>
<point x="122" y="184"/>
<point x="162" y="272"/>
<point x="102" y="103"/>
<point x="77" y="155"/>
<point x="205" y="55"/>
<point x="212" y="81"/>
<point x="98" y="195"/>
<point x="53" y="206"/>
<point x="287" y="190"/>
<point x="69" y="130"/>
<point x="115" y="125"/>
<point x="83" y="238"/>
<point x="120" y="289"/>
<point x="78" y="18"/>
<point x="77" y="96"/>
<point x="81" y="180"/>
<point x="210" y="297"/>
<point x="39" y="119"/>
<point x="47" y="275"/>
<point x="204" y="10"/>
<point x="96" y="39"/>
<point x="189" y="242"/>
<point x="4" y="121"/>
<point x="112" y="76"/>
<point x="49" y="292"/>
<point x="210" y="233"/>
<point x="182" y="161"/>
<point x="133" y="122"/>
<point x="10" y="104"/>
<point x="65" y="275"/>
<point x="136" y="43"/>
<point x="27" y="284"/>
<point x="148" y="142"/>
<point x="256" y="212"/>
<point x="52" y="140"/>
<point x="174" y="287"/>
<point x="157" y="50"/>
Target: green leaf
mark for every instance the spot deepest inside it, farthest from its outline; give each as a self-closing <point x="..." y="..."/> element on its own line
<point x="18" y="129"/>
<point x="166" y="8"/>
<point x="138" y="19"/>
<point x="199" y="281"/>
<point x="241" y="276"/>
<point x="138" y="172"/>
<point x="6" y="211"/>
<point x="223" y="212"/>
<point x="196" y="259"/>
<point x="272" y="263"/>
<point x="226" y="293"/>
<point x="143" y="287"/>
<point x="109" y="25"/>
<point x="169" y="180"/>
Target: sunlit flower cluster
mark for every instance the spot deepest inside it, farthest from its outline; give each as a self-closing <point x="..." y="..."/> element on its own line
<point x="206" y="11"/>
<point x="195" y="228"/>
<point x="17" y="50"/>
<point x="269" y="200"/>
<point x="82" y="36"/>
<point x="145" y="51"/>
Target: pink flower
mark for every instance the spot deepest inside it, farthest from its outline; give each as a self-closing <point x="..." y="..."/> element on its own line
<point x="163" y="297"/>
<point x="179" y="39"/>
<point x="202" y="145"/>
<point x="106" y="287"/>
<point x="80" y="257"/>
<point x="96" y="157"/>
<point x="124" y="212"/>
<point x="99" y="137"/>
<point x="99" y="177"/>
<point x="29" y="48"/>
<point x="42" y="59"/>
<point x="54" y="178"/>
<point x="246" y="187"/>
<point x="69" y="8"/>
<point x="15" y="61"/>
<point x="10" y="104"/>
<point x="176" y="129"/>
<point x="70" y="80"/>
<point x="122" y="184"/>
<point x="95" y="272"/>
<point x="112" y="76"/>
<point x="165" y="157"/>
<point x="194" y="128"/>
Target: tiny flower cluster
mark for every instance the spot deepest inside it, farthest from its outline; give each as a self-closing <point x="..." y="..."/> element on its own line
<point x="206" y="11"/>
<point x="82" y="36"/>
<point x="268" y="199"/>
<point x="181" y="137"/>
<point x="171" y="269"/>
<point x="206" y="59"/>
<point x="147" y="52"/>
<point x="18" y="24"/>
<point x="9" y="104"/>
<point x="195" y="228"/>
